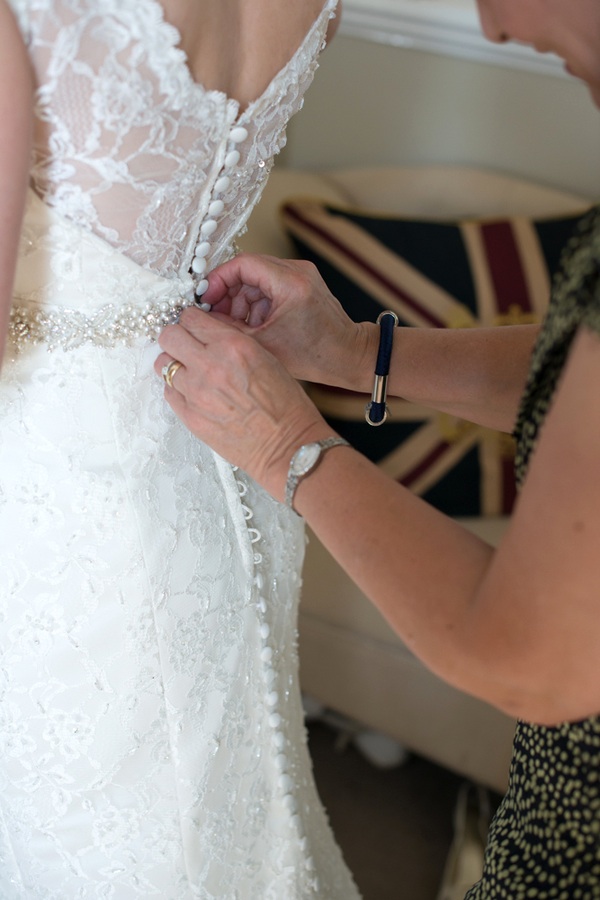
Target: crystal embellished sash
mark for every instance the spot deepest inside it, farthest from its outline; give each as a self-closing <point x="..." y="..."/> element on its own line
<point x="73" y="288"/>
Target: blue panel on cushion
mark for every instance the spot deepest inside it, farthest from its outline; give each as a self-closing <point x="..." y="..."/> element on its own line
<point x="436" y="248"/>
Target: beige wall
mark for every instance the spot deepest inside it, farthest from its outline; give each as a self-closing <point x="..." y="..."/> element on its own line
<point x="376" y="104"/>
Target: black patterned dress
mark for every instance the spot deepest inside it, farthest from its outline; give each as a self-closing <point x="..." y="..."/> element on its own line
<point x="544" y="841"/>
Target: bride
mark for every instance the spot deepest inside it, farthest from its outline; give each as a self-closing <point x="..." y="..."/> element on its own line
<point x="150" y="720"/>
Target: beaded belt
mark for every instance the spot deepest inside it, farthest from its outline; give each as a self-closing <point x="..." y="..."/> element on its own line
<point x="106" y="327"/>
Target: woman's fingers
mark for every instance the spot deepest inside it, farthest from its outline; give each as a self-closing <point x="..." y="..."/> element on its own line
<point x="249" y="288"/>
<point x="236" y="286"/>
<point x="259" y="312"/>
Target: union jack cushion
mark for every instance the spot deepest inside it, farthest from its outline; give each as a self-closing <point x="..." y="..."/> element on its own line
<point x="434" y="274"/>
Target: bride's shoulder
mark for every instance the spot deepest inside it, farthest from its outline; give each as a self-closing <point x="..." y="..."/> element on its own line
<point x="238" y="46"/>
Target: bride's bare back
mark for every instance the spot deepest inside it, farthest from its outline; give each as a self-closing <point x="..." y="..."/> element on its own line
<point x="238" y="46"/>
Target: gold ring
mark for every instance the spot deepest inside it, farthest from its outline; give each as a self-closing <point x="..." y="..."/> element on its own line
<point x="169" y="371"/>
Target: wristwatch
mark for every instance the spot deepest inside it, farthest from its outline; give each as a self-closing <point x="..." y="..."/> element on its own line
<point x="304" y="461"/>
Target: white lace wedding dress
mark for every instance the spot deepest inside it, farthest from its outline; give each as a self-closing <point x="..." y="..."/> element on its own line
<point x="151" y="734"/>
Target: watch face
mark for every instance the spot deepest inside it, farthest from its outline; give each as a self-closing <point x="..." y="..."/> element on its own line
<point x="305" y="458"/>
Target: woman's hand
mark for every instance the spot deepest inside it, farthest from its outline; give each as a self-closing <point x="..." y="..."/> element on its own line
<point x="236" y="397"/>
<point x="288" y="309"/>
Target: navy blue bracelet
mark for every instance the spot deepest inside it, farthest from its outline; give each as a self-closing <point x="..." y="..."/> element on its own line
<point x="376" y="411"/>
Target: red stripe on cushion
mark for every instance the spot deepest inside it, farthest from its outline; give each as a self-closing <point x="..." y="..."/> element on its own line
<point x="425" y="463"/>
<point x="505" y="266"/>
<point x="509" y="489"/>
<point x="361" y="262"/>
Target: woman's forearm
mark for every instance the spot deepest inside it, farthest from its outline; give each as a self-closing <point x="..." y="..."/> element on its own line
<point x="475" y="373"/>
<point x="460" y="605"/>
<point x="418" y="567"/>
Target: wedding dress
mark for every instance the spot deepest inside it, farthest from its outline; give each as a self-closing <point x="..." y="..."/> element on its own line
<point x="151" y="733"/>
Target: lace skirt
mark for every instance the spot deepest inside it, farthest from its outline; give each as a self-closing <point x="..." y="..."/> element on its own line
<point x="150" y="716"/>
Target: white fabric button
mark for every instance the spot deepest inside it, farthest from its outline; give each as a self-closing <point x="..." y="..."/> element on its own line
<point x="199" y="265"/>
<point x="207" y="228"/>
<point x="286" y="784"/>
<point x="221" y="184"/>
<point x="201" y="287"/>
<point x="290" y="803"/>
<point x="279" y="739"/>
<point x="264" y="631"/>
<point x="266" y="654"/>
<point x="238" y="134"/>
<point x="272" y="698"/>
<point x="281" y="761"/>
<point x="274" y="720"/>
<point x="232" y="159"/>
<point x="202" y="249"/>
<point x="216" y="208"/>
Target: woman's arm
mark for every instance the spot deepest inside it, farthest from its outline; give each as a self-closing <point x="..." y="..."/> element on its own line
<point x="475" y="373"/>
<point x="16" y="90"/>
<point x="518" y="627"/>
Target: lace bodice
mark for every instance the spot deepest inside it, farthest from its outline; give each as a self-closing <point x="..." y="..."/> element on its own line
<point x="134" y="149"/>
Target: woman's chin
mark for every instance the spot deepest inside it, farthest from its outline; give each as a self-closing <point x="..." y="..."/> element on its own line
<point x="594" y="86"/>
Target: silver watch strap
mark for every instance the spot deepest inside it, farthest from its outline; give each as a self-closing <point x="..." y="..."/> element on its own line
<point x="293" y="480"/>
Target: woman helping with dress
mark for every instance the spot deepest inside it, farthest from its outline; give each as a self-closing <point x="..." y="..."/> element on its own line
<point x="518" y="626"/>
<point x="151" y="723"/>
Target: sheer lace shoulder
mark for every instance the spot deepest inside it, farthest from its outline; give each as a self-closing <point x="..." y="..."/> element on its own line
<point x="128" y="146"/>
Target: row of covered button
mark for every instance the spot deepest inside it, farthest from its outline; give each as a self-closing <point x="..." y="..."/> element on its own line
<point x="215" y="209"/>
<point x="275" y="719"/>
<point x="283" y="763"/>
<point x="282" y="760"/>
